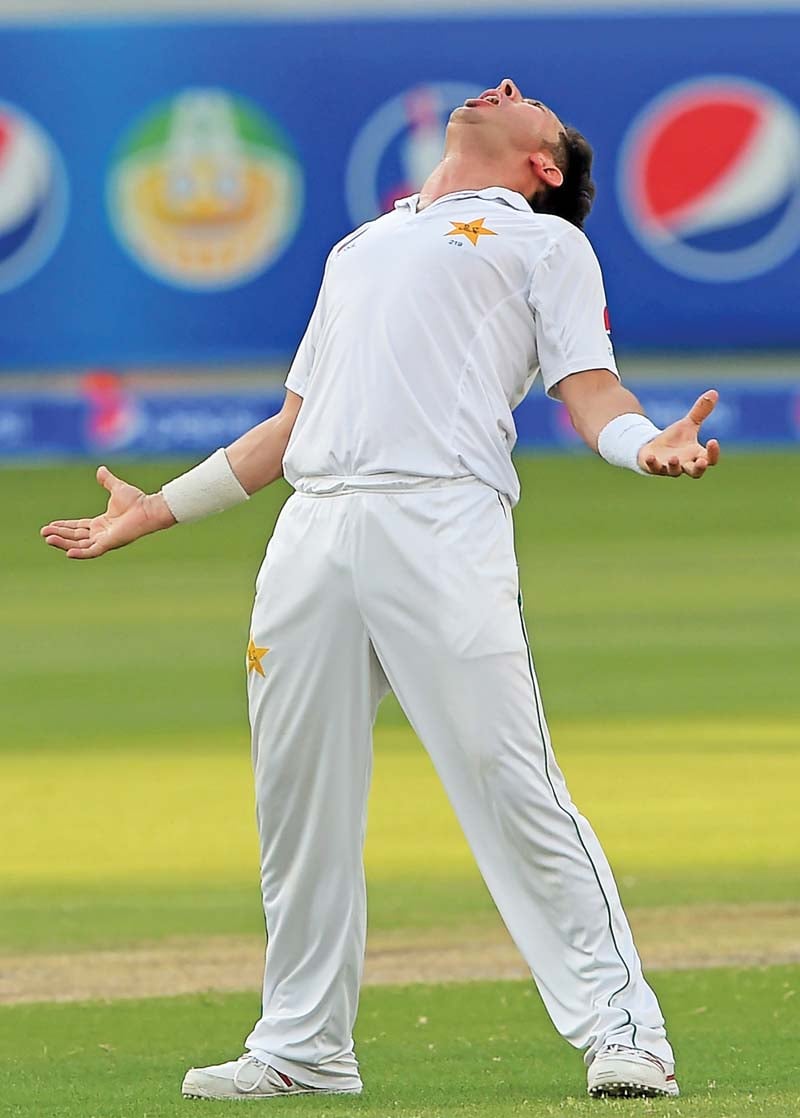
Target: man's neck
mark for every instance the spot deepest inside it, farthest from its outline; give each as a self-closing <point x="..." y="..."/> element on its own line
<point x="456" y="173"/>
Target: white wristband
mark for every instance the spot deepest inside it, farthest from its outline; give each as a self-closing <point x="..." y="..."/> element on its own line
<point x="210" y="487"/>
<point x="621" y="440"/>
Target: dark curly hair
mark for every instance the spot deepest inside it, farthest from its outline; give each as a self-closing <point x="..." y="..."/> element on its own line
<point x="573" y="199"/>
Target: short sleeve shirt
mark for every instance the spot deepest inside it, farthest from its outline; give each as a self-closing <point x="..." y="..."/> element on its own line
<point x="429" y="329"/>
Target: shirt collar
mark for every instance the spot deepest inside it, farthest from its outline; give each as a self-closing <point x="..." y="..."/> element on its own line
<point x="489" y="194"/>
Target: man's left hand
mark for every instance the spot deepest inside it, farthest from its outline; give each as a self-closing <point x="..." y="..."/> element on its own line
<point x="677" y="450"/>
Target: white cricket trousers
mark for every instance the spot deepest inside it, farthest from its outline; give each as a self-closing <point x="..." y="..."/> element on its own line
<point x="415" y="588"/>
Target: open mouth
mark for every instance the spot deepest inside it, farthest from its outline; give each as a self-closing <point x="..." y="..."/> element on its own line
<point x="484" y="99"/>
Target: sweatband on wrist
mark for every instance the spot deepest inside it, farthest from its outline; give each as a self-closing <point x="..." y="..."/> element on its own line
<point x="208" y="488"/>
<point x="621" y="440"/>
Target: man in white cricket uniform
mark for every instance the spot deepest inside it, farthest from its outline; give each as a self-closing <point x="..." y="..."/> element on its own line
<point x="392" y="567"/>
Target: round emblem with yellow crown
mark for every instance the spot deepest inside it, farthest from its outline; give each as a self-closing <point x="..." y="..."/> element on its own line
<point x="205" y="191"/>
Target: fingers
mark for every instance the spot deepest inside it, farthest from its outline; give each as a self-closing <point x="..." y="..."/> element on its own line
<point x="697" y="468"/>
<point x="77" y="549"/>
<point x="76" y="543"/>
<point x="703" y="406"/>
<point x="55" y="526"/>
<point x="707" y="457"/>
<point x="68" y="531"/>
<point x="59" y="542"/>
<point x="85" y="550"/>
<point x="67" y="542"/>
<point x="692" y="460"/>
<point x="670" y="468"/>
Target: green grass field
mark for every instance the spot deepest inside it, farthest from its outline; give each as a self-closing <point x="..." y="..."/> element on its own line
<point x="665" y="619"/>
<point x="456" y="1051"/>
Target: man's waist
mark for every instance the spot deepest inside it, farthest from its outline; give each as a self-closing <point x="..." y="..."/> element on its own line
<point x="331" y="485"/>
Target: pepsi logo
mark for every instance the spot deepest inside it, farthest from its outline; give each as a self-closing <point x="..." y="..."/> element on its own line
<point x="114" y="417"/>
<point x="33" y="196"/>
<point x="709" y="179"/>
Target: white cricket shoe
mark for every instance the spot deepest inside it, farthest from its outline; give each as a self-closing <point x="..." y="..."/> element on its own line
<point x="629" y="1073"/>
<point x="247" y="1078"/>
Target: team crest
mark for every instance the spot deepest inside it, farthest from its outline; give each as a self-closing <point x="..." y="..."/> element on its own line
<point x="254" y="657"/>
<point x="205" y="191"/>
<point x="472" y="230"/>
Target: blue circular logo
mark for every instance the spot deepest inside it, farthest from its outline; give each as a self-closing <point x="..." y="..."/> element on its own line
<point x="33" y="196"/>
<point x="399" y="145"/>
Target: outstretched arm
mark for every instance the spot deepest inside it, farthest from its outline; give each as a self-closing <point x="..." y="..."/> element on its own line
<point x="255" y="460"/>
<point x="605" y="416"/>
<point x="257" y="456"/>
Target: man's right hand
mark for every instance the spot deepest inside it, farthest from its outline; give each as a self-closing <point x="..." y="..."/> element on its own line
<point x="131" y="513"/>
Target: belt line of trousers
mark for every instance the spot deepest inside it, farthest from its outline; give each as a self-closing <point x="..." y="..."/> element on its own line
<point x="418" y="592"/>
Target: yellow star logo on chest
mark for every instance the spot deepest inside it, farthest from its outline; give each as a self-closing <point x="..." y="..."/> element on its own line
<point x="254" y="657"/>
<point x="470" y="229"/>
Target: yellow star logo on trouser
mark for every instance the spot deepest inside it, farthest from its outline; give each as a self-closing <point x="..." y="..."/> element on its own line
<point x="470" y="229"/>
<point x="254" y="657"/>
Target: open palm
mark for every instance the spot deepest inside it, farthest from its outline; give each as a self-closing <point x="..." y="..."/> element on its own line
<point x="130" y="514"/>
<point x="678" y="450"/>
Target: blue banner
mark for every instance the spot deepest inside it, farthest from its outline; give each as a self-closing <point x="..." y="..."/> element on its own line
<point x="109" y="419"/>
<point x="168" y="193"/>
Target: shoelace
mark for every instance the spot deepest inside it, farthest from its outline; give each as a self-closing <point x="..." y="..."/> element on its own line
<point x="641" y="1054"/>
<point x="243" y="1061"/>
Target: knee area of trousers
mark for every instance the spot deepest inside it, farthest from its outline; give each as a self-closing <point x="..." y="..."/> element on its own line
<point x="519" y="788"/>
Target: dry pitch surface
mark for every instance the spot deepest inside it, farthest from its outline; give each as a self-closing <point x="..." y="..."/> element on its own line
<point x="678" y="938"/>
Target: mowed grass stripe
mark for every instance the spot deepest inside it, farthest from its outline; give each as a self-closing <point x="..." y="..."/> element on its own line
<point x="103" y="848"/>
<point x="132" y="815"/>
<point x="643" y="599"/>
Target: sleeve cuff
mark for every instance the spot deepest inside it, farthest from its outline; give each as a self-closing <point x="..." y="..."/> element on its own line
<point x="582" y="366"/>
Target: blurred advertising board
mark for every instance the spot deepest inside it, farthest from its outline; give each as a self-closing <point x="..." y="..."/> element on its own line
<point x="107" y="419"/>
<point x="169" y="192"/>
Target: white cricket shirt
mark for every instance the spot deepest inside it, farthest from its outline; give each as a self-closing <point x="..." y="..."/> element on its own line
<point x="429" y="329"/>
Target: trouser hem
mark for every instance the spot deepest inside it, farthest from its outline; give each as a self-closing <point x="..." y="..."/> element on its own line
<point x="310" y="1077"/>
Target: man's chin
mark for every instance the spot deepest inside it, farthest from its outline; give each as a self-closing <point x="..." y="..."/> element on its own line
<point x="465" y="114"/>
